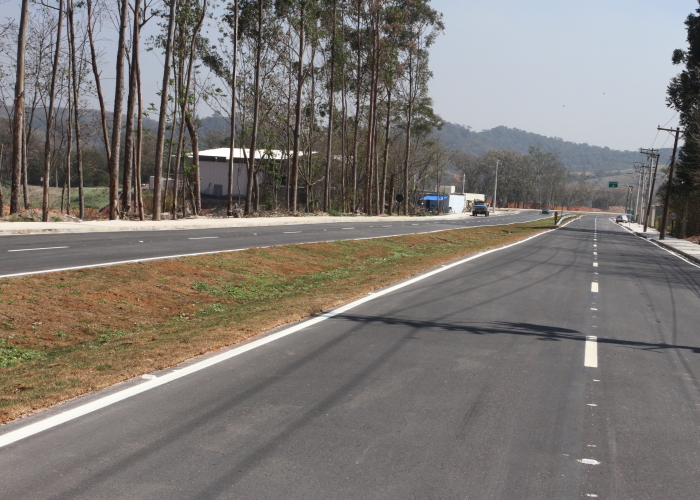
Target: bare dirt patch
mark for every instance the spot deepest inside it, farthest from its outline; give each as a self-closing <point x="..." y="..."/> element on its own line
<point x="69" y="333"/>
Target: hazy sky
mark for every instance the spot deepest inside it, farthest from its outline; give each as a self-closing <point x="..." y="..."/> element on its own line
<point x="593" y="71"/>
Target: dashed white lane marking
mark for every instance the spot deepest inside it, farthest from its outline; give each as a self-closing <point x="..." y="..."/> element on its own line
<point x="595" y="264"/>
<point x="205" y="238"/>
<point x="592" y="404"/>
<point x="594" y="309"/>
<point x="590" y="357"/>
<point x="347" y="228"/>
<point x="291" y="232"/>
<point x="594" y="287"/>
<point x="66" y="416"/>
<point x="33" y="249"/>
<point x="595" y="253"/>
<point x="589" y="461"/>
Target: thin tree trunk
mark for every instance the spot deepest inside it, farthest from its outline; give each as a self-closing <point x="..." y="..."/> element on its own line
<point x="184" y="111"/>
<point x="117" y="118"/>
<point x="387" y="136"/>
<point x="127" y="172"/>
<point x="18" y="125"/>
<point x="25" y="187"/>
<point x="327" y="186"/>
<point x="160" y="137"/>
<point x="409" y="124"/>
<point x="194" y="139"/>
<point x="297" y="113"/>
<point x="370" y="129"/>
<point x="232" y="141"/>
<point x="139" y="144"/>
<point x="76" y="101"/>
<point x="256" y="113"/>
<point x="357" y="110"/>
<point x="69" y="152"/>
<point x="96" y="74"/>
<point x="49" y="118"/>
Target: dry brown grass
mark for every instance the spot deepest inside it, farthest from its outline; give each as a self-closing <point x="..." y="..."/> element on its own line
<point x="89" y="329"/>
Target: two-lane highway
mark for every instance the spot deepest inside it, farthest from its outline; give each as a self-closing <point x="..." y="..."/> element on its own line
<point x="563" y="367"/>
<point x="25" y="254"/>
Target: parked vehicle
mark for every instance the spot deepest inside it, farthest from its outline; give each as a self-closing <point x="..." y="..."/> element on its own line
<point x="622" y="218"/>
<point x="480" y="207"/>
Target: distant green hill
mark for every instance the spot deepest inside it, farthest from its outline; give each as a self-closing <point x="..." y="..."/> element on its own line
<point x="576" y="157"/>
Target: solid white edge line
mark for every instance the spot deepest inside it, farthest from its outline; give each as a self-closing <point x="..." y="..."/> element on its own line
<point x="32" y="249"/>
<point x="168" y="257"/>
<point x="50" y="422"/>
<point x="684" y="259"/>
<point x="590" y="357"/>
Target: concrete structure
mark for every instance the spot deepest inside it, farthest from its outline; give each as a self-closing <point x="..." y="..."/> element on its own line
<point x="213" y="169"/>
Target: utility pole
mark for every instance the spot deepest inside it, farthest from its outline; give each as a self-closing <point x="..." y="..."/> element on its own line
<point x="638" y="168"/>
<point x="495" y="188"/>
<point x="664" y="214"/>
<point x="653" y="154"/>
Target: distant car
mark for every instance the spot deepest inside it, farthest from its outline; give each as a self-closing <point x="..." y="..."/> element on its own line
<point x="622" y="218"/>
<point x="545" y="210"/>
<point x="480" y="207"/>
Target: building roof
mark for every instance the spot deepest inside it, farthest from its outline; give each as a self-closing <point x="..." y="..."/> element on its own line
<point x="223" y="154"/>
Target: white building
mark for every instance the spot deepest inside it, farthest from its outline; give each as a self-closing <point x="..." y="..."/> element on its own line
<point x="213" y="170"/>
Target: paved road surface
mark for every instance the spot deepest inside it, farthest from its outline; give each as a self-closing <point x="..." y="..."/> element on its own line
<point x="41" y="252"/>
<point x="468" y="384"/>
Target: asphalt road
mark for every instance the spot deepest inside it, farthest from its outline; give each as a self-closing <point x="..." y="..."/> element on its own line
<point x="46" y="251"/>
<point x="468" y="384"/>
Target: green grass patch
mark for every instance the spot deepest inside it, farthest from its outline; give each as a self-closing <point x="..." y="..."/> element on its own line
<point x="73" y="332"/>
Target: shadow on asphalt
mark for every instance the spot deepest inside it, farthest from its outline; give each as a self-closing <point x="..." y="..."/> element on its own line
<point x="541" y="332"/>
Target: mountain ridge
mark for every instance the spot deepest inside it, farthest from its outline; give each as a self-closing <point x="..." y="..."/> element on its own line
<point x="577" y="157"/>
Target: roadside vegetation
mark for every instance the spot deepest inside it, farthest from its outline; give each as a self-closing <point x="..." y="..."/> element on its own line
<point x="69" y="333"/>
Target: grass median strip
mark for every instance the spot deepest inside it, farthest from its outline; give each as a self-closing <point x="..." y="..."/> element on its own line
<point x="69" y="333"/>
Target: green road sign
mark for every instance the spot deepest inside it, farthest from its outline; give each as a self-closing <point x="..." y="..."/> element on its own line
<point x="630" y="212"/>
<point x="612" y="184"/>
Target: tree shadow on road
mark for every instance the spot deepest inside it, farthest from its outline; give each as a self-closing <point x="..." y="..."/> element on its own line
<point x="541" y="332"/>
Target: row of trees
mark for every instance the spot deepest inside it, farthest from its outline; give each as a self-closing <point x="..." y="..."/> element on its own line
<point x="683" y="95"/>
<point x="530" y="180"/>
<point x="339" y="86"/>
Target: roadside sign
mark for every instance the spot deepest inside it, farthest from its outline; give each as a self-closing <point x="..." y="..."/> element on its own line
<point x="672" y="216"/>
<point x="612" y="184"/>
<point x="630" y="212"/>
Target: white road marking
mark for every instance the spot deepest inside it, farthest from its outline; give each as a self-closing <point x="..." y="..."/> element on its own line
<point x="592" y="404"/>
<point x="66" y="416"/>
<point x="593" y="309"/>
<point x="594" y="287"/>
<point x="33" y="249"/>
<point x="595" y="264"/>
<point x="205" y="238"/>
<point x="177" y="256"/>
<point x="589" y="461"/>
<point x="347" y="228"/>
<point x="590" y="357"/>
<point x="595" y="253"/>
<point x="596" y="246"/>
<point x="291" y="232"/>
